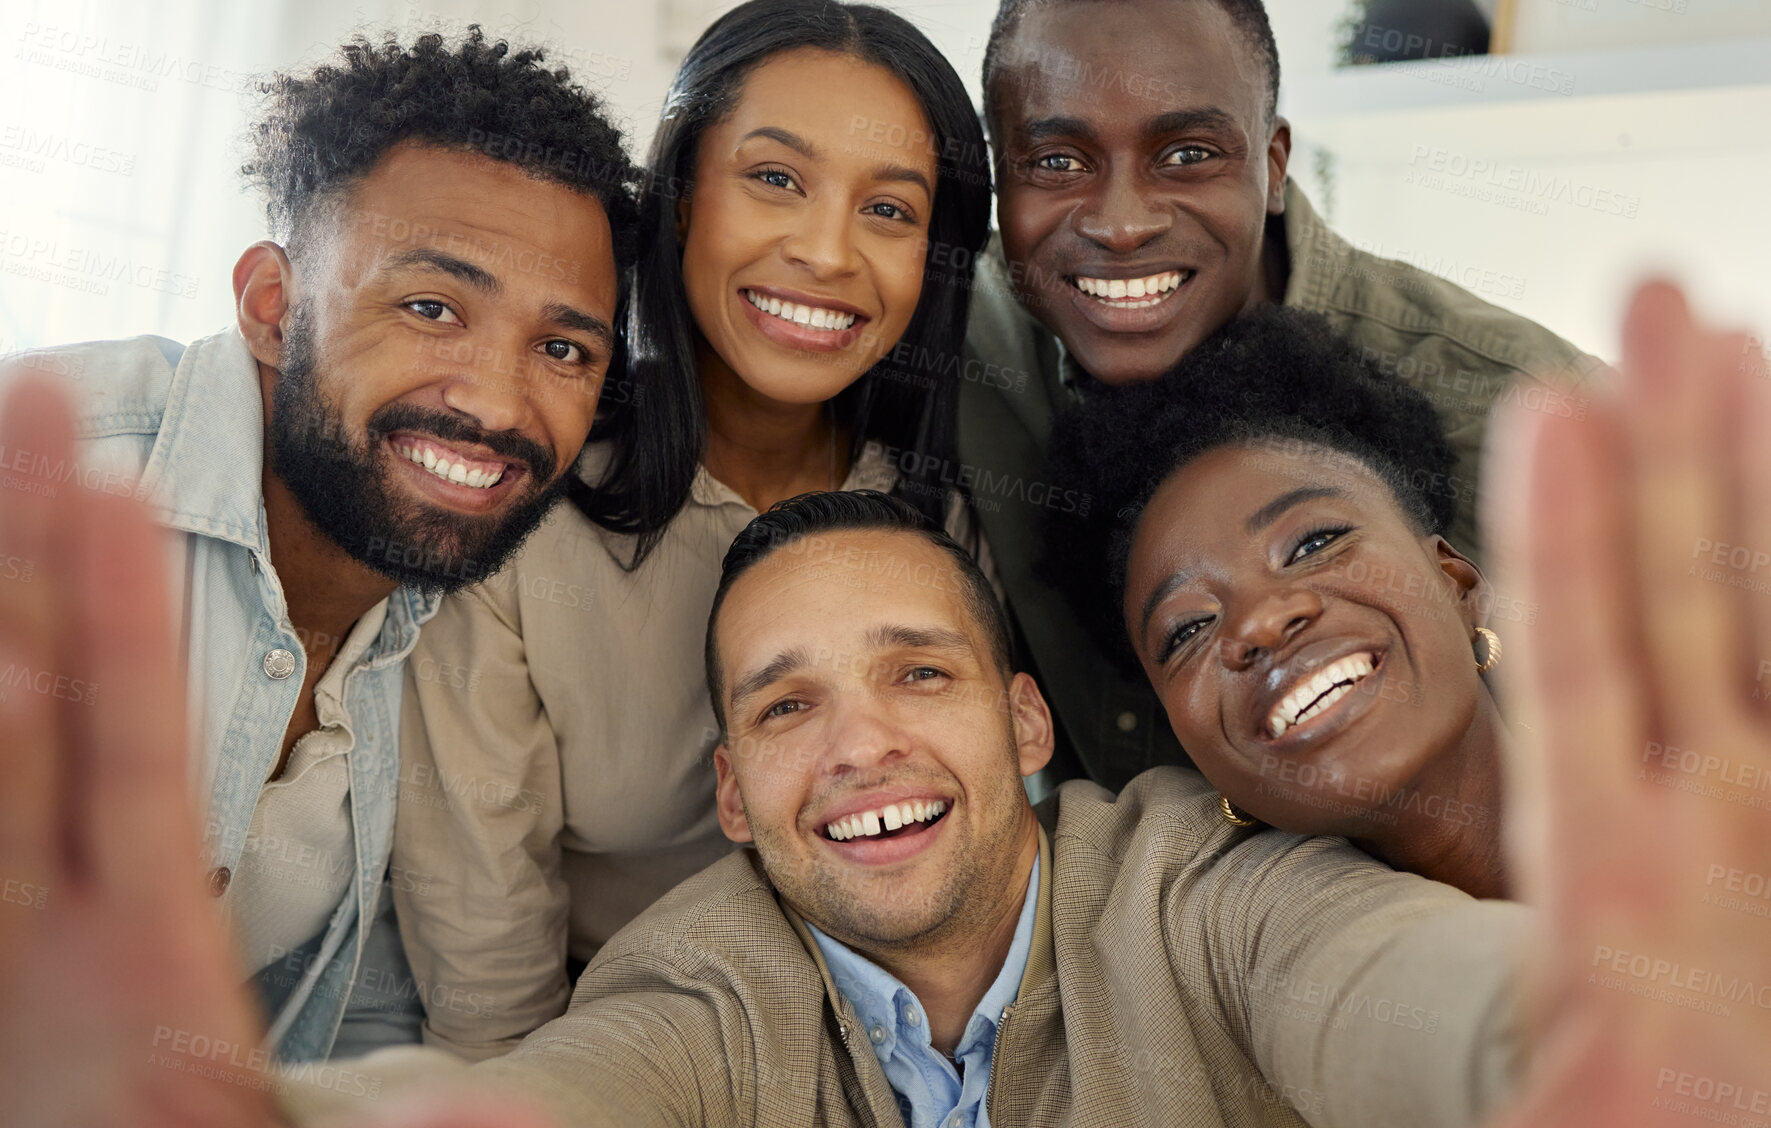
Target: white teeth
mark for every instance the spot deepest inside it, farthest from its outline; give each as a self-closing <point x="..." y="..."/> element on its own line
<point x="814" y="317"/>
<point x="1317" y="695"/>
<point x="1133" y="293"/>
<point x="456" y="472"/>
<point x="892" y="816"/>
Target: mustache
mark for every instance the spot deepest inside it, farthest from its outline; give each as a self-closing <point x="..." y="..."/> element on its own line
<point x="452" y="428"/>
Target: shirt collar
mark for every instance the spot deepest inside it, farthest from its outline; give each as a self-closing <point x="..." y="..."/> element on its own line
<point x="883" y="1003"/>
<point x="871" y="470"/>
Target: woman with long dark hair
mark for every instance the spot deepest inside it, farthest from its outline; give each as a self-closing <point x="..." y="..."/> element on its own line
<point x="818" y="187"/>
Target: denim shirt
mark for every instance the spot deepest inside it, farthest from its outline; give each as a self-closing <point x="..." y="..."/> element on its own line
<point x="183" y="428"/>
<point x="930" y="1091"/>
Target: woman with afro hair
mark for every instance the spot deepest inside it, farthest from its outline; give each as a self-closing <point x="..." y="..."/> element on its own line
<point x="1265" y="540"/>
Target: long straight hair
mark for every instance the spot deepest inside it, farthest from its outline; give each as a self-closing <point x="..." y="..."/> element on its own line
<point x="909" y="399"/>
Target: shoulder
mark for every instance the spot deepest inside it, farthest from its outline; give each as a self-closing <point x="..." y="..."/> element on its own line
<point x="118" y="386"/>
<point x="1168" y="808"/>
<point x="724" y="923"/>
<point x="1397" y="311"/>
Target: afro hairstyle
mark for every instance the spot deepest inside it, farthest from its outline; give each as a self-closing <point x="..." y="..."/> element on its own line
<point x="321" y="132"/>
<point x="1274" y="373"/>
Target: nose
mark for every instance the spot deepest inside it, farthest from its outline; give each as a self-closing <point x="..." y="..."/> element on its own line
<point x="495" y="389"/>
<point x="1119" y="218"/>
<point x="821" y="240"/>
<point x="864" y="736"/>
<point x="1266" y="622"/>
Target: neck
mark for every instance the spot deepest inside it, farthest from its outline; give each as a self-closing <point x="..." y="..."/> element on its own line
<point x="1453" y="833"/>
<point x="763" y="449"/>
<point x="950" y="976"/>
<point x="325" y="589"/>
<point x="1274" y="274"/>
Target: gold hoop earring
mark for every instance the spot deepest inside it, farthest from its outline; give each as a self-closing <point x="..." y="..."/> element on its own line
<point x="1490" y="653"/>
<point x="1234" y="815"/>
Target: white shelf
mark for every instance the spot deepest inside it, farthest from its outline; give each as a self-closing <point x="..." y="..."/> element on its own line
<point x="1490" y="80"/>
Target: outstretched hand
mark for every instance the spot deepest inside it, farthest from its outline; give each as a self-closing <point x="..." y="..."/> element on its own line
<point x="1641" y="769"/>
<point x="121" y="1002"/>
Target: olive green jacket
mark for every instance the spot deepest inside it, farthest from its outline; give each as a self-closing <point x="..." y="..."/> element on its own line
<point x="1183" y="972"/>
<point x="1465" y="354"/>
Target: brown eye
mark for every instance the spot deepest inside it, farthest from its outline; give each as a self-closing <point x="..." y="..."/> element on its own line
<point x="1315" y="542"/>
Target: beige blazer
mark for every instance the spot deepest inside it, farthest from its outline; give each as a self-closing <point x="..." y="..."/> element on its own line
<point x="1183" y="972"/>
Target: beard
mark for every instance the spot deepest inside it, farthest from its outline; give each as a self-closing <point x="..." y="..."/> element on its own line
<point x="345" y="487"/>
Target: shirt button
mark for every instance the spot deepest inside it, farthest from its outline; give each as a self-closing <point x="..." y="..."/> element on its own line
<point x="279" y="664"/>
<point x="218" y="880"/>
<point x="911" y="1016"/>
<point x="1127" y="721"/>
<point x="876" y="1035"/>
<point x="954" y="1120"/>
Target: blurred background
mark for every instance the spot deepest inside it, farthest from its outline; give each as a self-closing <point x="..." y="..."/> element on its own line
<point x="1605" y="139"/>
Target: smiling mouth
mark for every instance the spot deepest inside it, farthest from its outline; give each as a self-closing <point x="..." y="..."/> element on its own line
<point x="1132" y="293"/>
<point x="811" y="317"/>
<point x="448" y="464"/>
<point x="1320" y="692"/>
<point x="890" y="821"/>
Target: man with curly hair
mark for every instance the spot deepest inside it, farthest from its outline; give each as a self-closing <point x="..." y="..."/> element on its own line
<point x="415" y="364"/>
<point x="1143" y="202"/>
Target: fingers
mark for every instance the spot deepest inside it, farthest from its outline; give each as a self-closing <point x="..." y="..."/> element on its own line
<point x="1560" y="522"/>
<point x="133" y="769"/>
<point x="36" y="435"/>
<point x="1680" y="470"/>
<point x="1754" y="445"/>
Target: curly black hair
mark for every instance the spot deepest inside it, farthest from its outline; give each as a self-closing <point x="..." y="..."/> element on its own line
<point x="1274" y="373"/>
<point x="1249" y="16"/>
<point x="321" y="132"/>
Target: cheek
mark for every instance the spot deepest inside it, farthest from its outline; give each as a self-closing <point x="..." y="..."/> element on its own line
<point x="898" y="274"/>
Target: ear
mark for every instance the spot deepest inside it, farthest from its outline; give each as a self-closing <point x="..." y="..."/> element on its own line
<point x="1278" y="161"/>
<point x="1035" y="734"/>
<point x="263" y="284"/>
<point x="682" y="219"/>
<point x="727" y="800"/>
<point x="1468" y="585"/>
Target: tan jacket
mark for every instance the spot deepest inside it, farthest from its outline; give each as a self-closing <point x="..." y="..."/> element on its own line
<point x="1464" y="354"/>
<point x="1183" y="972"/>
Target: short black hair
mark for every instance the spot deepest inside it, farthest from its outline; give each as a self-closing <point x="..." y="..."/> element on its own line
<point x="320" y="132"/>
<point x="1274" y="373"/>
<point x="1250" y="17"/>
<point x="829" y="511"/>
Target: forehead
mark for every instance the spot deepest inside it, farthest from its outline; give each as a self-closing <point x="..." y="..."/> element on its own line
<point x="832" y="589"/>
<point x="1211" y="497"/>
<point x="1116" y="62"/>
<point x="485" y="211"/>
<point x="852" y="110"/>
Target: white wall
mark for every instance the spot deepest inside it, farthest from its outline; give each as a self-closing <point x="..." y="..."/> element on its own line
<point x="122" y="210"/>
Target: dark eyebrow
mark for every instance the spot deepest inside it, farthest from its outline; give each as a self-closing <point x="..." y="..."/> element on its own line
<point x="918" y="638"/>
<point x="1270" y="512"/>
<point x="792" y="140"/>
<point x="568" y="318"/>
<point x="1162" y="591"/>
<point x="778" y="667"/>
<point x="906" y="174"/>
<point x="1045" y="128"/>
<point x="1209" y="120"/>
<point x="430" y="258"/>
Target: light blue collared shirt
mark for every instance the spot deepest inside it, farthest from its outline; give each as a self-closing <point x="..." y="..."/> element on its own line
<point x="182" y="427"/>
<point x="930" y="1091"/>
